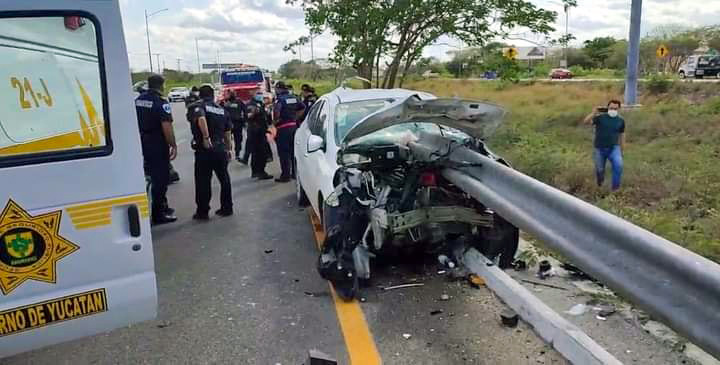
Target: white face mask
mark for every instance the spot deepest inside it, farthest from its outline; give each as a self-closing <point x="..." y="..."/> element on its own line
<point x="613" y="113"/>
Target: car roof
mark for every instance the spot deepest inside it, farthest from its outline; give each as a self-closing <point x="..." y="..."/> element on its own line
<point x="347" y="95"/>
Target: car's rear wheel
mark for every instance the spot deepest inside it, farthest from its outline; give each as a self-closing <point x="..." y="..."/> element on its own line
<point x="682" y="74"/>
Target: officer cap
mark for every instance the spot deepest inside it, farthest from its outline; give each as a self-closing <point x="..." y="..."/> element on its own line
<point x="280" y="85"/>
<point x="305" y="87"/>
<point x="194" y="88"/>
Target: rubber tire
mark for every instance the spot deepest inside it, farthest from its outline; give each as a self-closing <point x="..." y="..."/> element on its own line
<point x="302" y="199"/>
<point x="682" y="75"/>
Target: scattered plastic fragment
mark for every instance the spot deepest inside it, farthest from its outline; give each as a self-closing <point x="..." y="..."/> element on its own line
<point x="444" y="297"/>
<point x="476" y="281"/>
<point x="577" y="309"/>
<point x="436" y="312"/>
<point x="269" y="251"/>
<point x="406" y="336"/>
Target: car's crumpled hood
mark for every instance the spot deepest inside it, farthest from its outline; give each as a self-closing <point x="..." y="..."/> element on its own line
<point x="476" y="118"/>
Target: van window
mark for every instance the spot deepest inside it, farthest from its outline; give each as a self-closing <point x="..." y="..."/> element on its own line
<point x="238" y="77"/>
<point x="51" y="95"/>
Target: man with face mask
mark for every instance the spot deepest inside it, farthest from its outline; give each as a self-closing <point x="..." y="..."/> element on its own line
<point x="609" y="141"/>
<point x="236" y="110"/>
<point x="258" y="121"/>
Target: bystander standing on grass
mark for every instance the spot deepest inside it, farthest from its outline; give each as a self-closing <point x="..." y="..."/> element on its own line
<point x="609" y="142"/>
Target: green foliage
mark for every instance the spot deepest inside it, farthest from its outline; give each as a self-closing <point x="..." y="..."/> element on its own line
<point x="400" y="30"/>
<point x="599" y="50"/>
<point x="658" y="84"/>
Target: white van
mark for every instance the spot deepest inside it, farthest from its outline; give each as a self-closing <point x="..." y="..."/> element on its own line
<point x="700" y="66"/>
<point x="76" y="255"/>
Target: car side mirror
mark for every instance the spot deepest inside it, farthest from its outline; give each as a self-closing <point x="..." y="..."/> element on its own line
<point x="314" y="143"/>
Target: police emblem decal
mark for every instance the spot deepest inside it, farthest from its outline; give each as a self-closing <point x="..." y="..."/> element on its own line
<point x="30" y="247"/>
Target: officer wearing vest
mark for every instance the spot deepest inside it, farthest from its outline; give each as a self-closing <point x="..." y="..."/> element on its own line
<point x="288" y="110"/>
<point x="236" y="110"/>
<point x="211" y="128"/>
<point x="257" y="144"/>
<point x="158" y="145"/>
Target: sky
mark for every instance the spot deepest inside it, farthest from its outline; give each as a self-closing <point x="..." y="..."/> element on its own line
<point x="255" y="31"/>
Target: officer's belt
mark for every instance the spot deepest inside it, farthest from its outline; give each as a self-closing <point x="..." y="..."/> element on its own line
<point x="287" y="125"/>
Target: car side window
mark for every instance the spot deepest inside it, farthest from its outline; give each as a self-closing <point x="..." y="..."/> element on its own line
<point x="315" y="122"/>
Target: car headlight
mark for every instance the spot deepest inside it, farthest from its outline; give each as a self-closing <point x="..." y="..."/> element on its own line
<point x="353" y="158"/>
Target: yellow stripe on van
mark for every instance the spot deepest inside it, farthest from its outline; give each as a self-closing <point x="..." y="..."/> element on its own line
<point x="98" y="213"/>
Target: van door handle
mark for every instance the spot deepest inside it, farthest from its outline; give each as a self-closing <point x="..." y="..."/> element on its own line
<point x="134" y="220"/>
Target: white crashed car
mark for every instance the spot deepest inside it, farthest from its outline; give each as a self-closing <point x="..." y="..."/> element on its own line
<point x="178" y="94"/>
<point x="384" y="152"/>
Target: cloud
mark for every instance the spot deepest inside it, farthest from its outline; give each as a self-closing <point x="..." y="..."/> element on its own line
<point x="255" y="31"/>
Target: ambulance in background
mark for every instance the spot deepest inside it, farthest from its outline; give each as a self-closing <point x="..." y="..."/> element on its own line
<point x="245" y="80"/>
<point x="76" y="255"/>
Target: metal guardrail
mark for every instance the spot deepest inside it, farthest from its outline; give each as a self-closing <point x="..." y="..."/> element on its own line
<point x="676" y="286"/>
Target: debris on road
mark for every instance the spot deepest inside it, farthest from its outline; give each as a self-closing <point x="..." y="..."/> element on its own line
<point x="269" y="251"/>
<point x="545" y="269"/>
<point x="520" y="265"/>
<point x="163" y="324"/>
<point x="402" y="286"/>
<point x="543" y="284"/>
<point x="577" y="309"/>
<point x="509" y="318"/>
<point x="406" y="336"/>
<point x="316" y="357"/>
<point x="476" y="281"/>
<point x="436" y="312"/>
<point x="444" y="297"/>
<point x="441" y="272"/>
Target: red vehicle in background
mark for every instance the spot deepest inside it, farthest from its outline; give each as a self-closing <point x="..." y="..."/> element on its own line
<point x="246" y="81"/>
<point x="561" y="73"/>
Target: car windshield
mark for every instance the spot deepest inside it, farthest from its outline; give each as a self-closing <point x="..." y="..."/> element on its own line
<point x="403" y="133"/>
<point x="178" y="89"/>
<point x="349" y="114"/>
<point x="238" y="77"/>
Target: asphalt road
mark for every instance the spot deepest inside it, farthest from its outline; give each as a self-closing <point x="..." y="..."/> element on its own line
<point x="244" y="290"/>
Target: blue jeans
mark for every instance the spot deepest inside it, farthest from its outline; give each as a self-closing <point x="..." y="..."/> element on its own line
<point x="601" y="155"/>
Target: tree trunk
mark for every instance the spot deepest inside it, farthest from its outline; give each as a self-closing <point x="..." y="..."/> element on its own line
<point x="365" y="70"/>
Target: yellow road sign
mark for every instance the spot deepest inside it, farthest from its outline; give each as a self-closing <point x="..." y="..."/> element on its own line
<point x="511" y="53"/>
<point x="662" y="51"/>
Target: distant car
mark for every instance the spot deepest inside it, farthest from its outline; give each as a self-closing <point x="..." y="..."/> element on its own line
<point x="139" y="87"/>
<point x="178" y="94"/>
<point x="561" y="73"/>
<point x="700" y="66"/>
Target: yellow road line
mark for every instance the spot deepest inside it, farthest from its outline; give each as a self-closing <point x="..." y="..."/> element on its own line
<point x="358" y="339"/>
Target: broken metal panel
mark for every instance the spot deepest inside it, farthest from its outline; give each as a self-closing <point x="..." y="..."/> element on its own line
<point x="399" y="222"/>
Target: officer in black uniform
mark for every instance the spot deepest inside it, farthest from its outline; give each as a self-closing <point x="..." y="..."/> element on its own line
<point x="236" y="110"/>
<point x="288" y="110"/>
<point x="309" y="98"/>
<point x="257" y="144"/>
<point x="193" y="97"/>
<point x="158" y="145"/>
<point x="211" y="128"/>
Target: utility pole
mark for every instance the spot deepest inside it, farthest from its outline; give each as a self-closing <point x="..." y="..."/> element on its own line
<point x="178" y="61"/>
<point x="147" y="33"/>
<point x="312" y="49"/>
<point x="157" y="58"/>
<point x="633" y="53"/>
<point x="197" y="53"/>
<point x="567" y="21"/>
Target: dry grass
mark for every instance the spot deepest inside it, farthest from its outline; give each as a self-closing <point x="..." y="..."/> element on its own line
<point x="672" y="180"/>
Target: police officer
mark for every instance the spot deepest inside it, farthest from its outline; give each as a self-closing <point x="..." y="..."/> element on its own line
<point x="193" y="97"/>
<point x="257" y="144"/>
<point x="236" y="110"/>
<point x="309" y="98"/>
<point x="211" y="128"/>
<point x="158" y="145"/>
<point x="288" y="110"/>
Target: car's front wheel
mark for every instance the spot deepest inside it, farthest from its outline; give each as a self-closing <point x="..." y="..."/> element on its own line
<point x="682" y="74"/>
<point x="302" y="199"/>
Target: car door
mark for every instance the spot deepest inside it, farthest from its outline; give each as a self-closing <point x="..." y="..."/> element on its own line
<point x="76" y="254"/>
<point x="305" y="171"/>
<point x="317" y="160"/>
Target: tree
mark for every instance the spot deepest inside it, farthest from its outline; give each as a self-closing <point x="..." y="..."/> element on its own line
<point x="599" y="49"/>
<point x="399" y="30"/>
